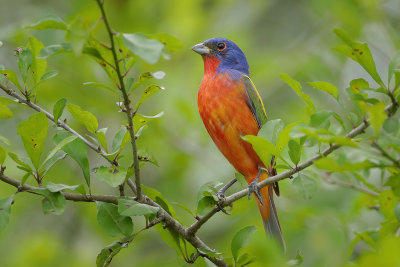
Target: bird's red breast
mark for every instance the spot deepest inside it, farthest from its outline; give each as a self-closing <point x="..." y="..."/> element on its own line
<point x="227" y="117"/>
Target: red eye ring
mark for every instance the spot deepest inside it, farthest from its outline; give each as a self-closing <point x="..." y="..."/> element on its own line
<point x="221" y="46"/>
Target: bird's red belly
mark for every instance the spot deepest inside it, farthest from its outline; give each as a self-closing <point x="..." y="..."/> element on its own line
<point x="227" y="117"/>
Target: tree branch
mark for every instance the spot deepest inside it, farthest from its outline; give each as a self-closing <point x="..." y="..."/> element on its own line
<point x="385" y="154"/>
<point x="284" y="175"/>
<point x="128" y="108"/>
<point x="63" y="125"/>
<point x="68" y="196"/>
<point x="170" y="222"/>
<point x="332" y="180"/>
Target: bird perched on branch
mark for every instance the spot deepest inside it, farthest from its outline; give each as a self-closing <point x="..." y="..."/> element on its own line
<point x="230" y="108"/>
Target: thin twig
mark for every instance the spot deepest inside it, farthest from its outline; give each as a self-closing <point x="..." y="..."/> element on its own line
<point x="127" y="101"/>
<point x="385" y="154"/>
<point x="63" y="125"/>
<point x="284" y="175"/>
<point x="68" y="196"/>
<point x="327" y="177"/>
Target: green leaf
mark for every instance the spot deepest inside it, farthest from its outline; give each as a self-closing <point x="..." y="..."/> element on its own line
<point x="144" y="77"/>
<point x="33" y="133"/>
<point x="159" y="198"/>
<point x="106" y="255"/>
<point x="296" y="86"/>
<point x="320" y="119"/>
<point x="101" y="85"/>
<point x="49" y="75"/>
<point x="294" y="151"/>
<point x="10" y="74"/>
<point x="3" y="155"/>
<point x="38" y="67"/>
<point x="58" y="109"/>
<point x="183" y="207"/>
<point x="387" y="202"/>
<point x="5" y="209"/>
<point x="5" y="140"/>
<point x="53" y="202"/>
<point x="121" y="138"/>
<point x="360" y="53"/>
<point x="100" y="134"/>
<point x="263" y="147"/>
<point x="306" y="185"/>
<point x="129" y="207"/>
<point x="5" y="112"/>
<point x="111" y="221"/>
<point x="359" y="84"/>
<point x="46" y="165"/>
<point x="84" y="117"/>
<point x="76" y="150"/>
<point x="147" y="49"/>
<point x="59" y="146"/>
<point x="52" y="187"/>
<point x="205" y="205"/>
<point x="326" y="87"/>
<point x="25" y="58"/>
<point x="396" y="211"/>
<point x="55" y="49"/>
<point x="149" y="91"/>
<point x="394" y="66"/>
<point x="298" y="260"/>
<point x="284" y="137"/>
<point x="140" y="120"/>
<point x="377" y="115"/>
<point x="146" y="156"/>
<point x="16" y="159"/>
<point x="49" y="22"/>
<point x="241" y="239"/>
<point x="77" y="34"/>
<point x="391" y="125"/>
<point x="332" y="166"/>
<point x="271" y="130"/>
<point x="169" y="41"/>
<point x="114" y="175"/>
<point x="92" y="51"/>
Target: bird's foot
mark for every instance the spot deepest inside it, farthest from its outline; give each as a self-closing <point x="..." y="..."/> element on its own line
<point x="253" y="188"/>
<point x="221" y="196"/>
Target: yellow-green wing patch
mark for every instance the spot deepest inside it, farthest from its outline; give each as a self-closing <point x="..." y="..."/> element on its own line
<point x="254" y="101"/>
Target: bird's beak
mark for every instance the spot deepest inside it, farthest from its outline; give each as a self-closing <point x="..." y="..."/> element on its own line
<point x="201" y="49"/>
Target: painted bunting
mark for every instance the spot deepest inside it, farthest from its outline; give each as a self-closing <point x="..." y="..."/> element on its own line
<point x="231" y="108"/>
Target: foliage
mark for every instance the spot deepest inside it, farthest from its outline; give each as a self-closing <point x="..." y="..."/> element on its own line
<point x="109" y="153"/>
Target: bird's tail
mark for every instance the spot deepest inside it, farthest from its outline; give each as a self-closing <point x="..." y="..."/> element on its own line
<point x="269" y="214"/>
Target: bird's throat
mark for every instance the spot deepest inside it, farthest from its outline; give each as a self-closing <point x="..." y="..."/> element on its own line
<point x="211" y="64"/>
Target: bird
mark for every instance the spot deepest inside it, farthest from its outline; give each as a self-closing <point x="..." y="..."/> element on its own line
<point x="231" y="108"/>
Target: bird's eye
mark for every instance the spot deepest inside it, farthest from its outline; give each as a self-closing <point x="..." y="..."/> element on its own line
<point x="221" y="46"/>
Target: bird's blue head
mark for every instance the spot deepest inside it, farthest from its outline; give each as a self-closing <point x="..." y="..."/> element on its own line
<point x="227" y="54"/>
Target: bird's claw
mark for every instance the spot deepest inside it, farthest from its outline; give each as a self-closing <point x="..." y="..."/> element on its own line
<point x="253" y="188"/>
<point x="221" y="197"/>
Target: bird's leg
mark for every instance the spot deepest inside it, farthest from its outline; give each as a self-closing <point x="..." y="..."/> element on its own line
<point x="253" y="188"/>
<point x="221" y="196"/>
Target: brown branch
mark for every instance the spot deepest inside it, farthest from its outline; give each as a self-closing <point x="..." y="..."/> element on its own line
<point x="61" y="124"/>
<point x="67" y="195"/>
<point x="332" y="180"/>
<point x="127" y="102"/>
<point x="284" y="175"/>
<point x="385" y="154"/>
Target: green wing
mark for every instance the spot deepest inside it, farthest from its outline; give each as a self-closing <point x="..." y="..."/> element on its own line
<point x="254" y="101"/>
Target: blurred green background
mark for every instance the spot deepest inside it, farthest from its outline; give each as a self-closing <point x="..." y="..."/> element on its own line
<point x="292" y="36"/>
